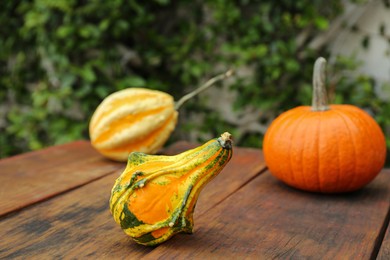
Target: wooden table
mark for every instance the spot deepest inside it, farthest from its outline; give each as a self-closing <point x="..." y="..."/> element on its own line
<point x="54" y="204"/>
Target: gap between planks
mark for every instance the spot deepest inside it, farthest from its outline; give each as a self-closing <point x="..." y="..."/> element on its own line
<point x="385" y="226"/>
<point x="381" y="236"/>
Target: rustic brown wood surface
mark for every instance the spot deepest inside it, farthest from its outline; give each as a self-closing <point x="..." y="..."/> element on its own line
<point x="36" y="176"/>
<point x="270" y="220"/>
<point x="384" y="246"/>
<point x="384" y="250"/>
<point x="80" y="221"/>
<point x="243" y="213"/>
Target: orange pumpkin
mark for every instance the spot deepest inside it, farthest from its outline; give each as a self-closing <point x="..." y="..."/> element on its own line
<point x="324" y="148"/>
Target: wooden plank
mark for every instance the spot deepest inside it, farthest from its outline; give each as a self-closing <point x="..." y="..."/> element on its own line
<point x="32" y="177"/>
<point x="267" y="220"/>
<point x="383" y="247"/>
<point x="40" y="159"/>
<point x="78" y="224"/>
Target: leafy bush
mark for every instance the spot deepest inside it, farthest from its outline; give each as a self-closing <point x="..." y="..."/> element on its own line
<point x="59" y="59"/>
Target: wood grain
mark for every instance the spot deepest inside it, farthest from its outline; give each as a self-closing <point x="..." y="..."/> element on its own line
<point x="382" y="251"/>
<point x="384" y="248"/>
<point x="78" y="224"/>
<point x="32" y="177"/>
<point x="267" y="220"/>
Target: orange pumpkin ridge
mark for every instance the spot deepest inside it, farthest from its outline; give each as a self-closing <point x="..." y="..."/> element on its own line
<point x="295" y="176"/>
<point x="370" y="144"/>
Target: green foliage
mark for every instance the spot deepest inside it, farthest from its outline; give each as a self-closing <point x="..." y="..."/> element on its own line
<point x="59" y="59"/>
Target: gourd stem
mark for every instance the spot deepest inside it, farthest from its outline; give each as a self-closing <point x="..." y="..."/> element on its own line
<point x="226" y="140"/>
<point x="205" y="86"/>
<point x="320" y="99"/>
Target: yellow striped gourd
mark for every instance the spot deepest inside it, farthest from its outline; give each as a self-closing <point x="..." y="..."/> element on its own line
<point x="137" y="120"/>
<point x="133" y="119"/>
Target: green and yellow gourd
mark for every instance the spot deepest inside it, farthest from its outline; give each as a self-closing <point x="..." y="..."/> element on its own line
<point x="154" y="198"/>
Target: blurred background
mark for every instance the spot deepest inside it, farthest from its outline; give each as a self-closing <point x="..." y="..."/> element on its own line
<point x="60" y="58"/>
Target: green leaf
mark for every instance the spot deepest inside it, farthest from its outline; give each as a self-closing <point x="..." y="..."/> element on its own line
<point x="132" y="81"/>
<point x="321" y="23"/>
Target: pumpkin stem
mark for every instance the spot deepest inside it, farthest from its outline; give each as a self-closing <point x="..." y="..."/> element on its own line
<point x="205" y="86"/>
<point x="320" y="99"/>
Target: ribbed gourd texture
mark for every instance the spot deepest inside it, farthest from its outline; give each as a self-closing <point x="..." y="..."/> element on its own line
<point x="338" y="150"/>
<point x="132" y="119"/>
<point x="155" y="196"/>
